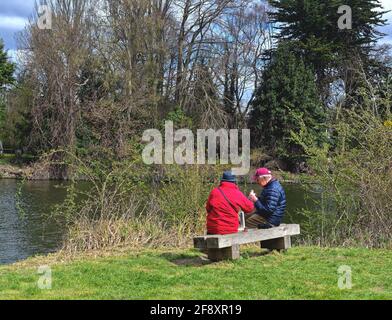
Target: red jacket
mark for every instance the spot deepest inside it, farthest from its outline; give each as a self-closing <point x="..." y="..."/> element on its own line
<point x="222" y="218"/>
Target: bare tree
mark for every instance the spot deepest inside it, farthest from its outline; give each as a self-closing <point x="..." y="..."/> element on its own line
<point x="197" y="22"/>
<point x="54" y="63"/>
<point x="110" y="68"/>
<point x="247" y="36"/>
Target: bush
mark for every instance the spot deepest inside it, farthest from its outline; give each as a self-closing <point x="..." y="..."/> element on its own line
<point x="123" y="206"/>
<point x="182" y="199"/>
<point x="354" y="181"/>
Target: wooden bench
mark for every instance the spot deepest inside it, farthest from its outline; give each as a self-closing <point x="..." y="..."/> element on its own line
<point x="227" y="247"/>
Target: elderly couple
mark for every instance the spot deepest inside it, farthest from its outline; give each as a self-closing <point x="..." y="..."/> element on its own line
<point x="226" y="201"/>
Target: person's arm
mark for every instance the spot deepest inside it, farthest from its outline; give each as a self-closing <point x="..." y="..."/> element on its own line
<point x="246" y="205"/>
<point x="267" y="207"/>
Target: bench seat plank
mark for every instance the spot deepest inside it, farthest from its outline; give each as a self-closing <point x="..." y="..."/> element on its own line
<point x="250" y="236"/>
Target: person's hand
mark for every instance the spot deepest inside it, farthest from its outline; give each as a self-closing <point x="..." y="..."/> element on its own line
<point x="253" y="197"/>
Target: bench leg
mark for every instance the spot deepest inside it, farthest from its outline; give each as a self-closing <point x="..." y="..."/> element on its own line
<point x="277" y="244"/>
<point x="231" y="253"/>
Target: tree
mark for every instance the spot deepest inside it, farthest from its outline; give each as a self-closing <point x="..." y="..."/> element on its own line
<point x="333" y="53"/>
<point x="7" y="70"/>
<point x="195" y="33"/>
<point x="374" y="89"/>
<point x="247" y="34"/>
<point x="286" y="98"/>
<point x="54" y="68"/>
<point x="17" y="128"/>
<point x="134" y="44"/>
<point x="205" y="107"/>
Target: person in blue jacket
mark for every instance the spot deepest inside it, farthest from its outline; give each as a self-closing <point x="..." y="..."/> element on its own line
<point x="270" y="207"/>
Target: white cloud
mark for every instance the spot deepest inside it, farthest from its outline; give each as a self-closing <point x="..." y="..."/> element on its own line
<point x="18" y="56"/>
<point x="13" y="55"/>
<point x="19" y="8"/>
<point x="12" y="23"/>
<point x="387" y="4"/>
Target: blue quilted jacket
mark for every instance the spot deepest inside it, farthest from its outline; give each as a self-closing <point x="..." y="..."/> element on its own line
<point x="272" y="203"/>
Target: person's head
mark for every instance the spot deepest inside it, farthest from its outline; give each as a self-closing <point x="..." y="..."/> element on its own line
<point x="228" y="176"/>
<point x="263" y="176"/>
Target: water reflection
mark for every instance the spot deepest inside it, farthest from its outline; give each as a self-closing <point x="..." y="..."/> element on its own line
<point x="28" y="232"/>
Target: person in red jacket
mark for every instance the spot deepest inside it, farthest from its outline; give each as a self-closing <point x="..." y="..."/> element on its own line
<point x="223" y="206"/>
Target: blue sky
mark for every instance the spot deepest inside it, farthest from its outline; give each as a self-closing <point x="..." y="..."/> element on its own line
<point x="14" y="14"/>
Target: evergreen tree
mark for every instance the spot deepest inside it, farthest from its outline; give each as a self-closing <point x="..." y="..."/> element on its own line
<point x="6" y="68"/>
<point x="6" y="78"/>
<point x="334" y="53"/>
<point x="288" y="95"/>
<point x="16" y="130"/>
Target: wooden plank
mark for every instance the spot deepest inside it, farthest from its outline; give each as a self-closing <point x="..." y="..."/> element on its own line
<point x="277" y="244"/>
<point x="201" y="242"/>
<point x="252" y="235"/>
<point x="231" y="253"/>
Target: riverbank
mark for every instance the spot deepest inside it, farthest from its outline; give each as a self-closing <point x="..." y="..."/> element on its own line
<point x="301" y="273"/>
<point x="24" y="169"/>
<point x="25" y="172"/>
<point x="40" y="172"/>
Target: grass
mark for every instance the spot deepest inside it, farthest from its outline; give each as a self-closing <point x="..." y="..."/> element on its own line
<point x="301" y="273"/>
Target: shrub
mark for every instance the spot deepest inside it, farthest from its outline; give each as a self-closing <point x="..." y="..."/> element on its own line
<point x="354" y="180"/>
<point x="123" y="206"/>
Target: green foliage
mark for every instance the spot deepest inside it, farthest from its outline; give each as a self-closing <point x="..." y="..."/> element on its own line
<point x="343" y="60"/>
<point x="354" y="180"/>
<point x="314" y="24"/>
<point x="180" y="119"/>
<point x="6" y="68"/>
<point x="2" y="118"/>
<point x="6" y="78"/>
<point x="16" y="130"/>
<point x="287" y="96"/>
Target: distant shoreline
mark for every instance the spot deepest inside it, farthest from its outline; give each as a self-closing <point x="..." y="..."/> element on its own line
<point x="36" y="172"/>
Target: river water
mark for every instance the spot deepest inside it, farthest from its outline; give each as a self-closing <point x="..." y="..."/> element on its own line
<point x="28" y="232"/>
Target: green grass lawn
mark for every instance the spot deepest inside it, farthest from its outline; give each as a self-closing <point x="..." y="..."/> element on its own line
<point x="301" y="273"/>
